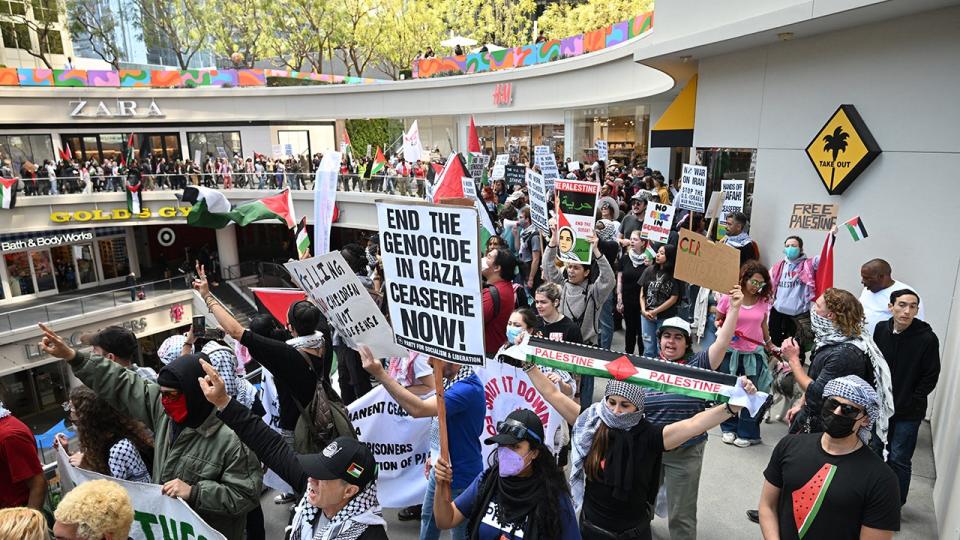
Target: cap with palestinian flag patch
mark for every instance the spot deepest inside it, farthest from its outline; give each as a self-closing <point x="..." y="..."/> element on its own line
<point x="346" y="459"/>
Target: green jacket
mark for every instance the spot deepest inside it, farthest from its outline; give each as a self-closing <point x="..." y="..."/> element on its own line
<point x="225" y="475"/>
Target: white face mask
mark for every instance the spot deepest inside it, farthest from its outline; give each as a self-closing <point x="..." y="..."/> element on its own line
<point x="484" y="265"/>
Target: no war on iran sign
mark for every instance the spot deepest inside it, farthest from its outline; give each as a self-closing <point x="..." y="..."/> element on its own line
<point x="431" y="257"/>
<point x="155" y="515"/>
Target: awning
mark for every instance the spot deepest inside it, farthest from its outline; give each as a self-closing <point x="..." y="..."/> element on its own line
<point x="675" y="127"/>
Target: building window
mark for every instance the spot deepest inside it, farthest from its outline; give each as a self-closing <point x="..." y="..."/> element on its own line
<point x="51" y="42"/>
<point x="13" y="7"/>
<point x="46" y="11"/>
<point x="20" y="149"/>
<point x="113" y="257"/>
<point x="208" y="143"/>
<point x="19" y="275"/>
<point x="15" y="36"/>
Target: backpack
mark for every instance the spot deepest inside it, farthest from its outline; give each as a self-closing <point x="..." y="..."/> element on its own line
<point x="520" y="298"/>
<point x="324" y="419"/>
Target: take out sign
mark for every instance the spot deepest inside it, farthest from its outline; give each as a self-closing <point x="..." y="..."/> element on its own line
<point x="842" y="149"/>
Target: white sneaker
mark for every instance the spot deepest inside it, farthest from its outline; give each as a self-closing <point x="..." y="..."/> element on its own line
<point x="728" y="437"/>
<point x="744" y="443"/>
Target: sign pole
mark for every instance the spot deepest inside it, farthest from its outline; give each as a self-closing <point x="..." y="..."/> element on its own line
<point x="441" y="408"/>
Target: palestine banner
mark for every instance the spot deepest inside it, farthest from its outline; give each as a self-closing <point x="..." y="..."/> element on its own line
<point x="576" y="216"/>
<point x="654" y="374"/>
<point x="8" y="193"/>
<point x="135" y="198"/>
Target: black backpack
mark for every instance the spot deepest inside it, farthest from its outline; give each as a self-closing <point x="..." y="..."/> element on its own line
<point x="323" y="419"/>
<point x="520" y="298"/>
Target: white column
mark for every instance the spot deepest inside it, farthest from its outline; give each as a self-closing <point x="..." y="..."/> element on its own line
<point x="658" y="159"/>
<point x="133" y="256"/>
<point x="227" y="248"/>
<point x="569" y="135"/>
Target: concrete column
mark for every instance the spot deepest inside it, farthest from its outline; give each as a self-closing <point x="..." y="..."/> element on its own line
<point x="227" y="248"/>
<point x="133" y="255"/>
<point x="658" y="158"/>
<point x="569" y="135"/>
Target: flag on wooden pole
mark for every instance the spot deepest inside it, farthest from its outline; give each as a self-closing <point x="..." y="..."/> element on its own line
<point x="824" y="275"/>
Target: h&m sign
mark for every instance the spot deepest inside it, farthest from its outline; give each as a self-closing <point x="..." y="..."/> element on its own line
<point x="122" y="108"/>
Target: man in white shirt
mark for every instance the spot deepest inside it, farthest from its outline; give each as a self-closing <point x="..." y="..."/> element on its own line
<point x="875" y="298"/>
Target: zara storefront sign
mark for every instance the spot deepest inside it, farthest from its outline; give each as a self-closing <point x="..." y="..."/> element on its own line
<point x="48" y="240"/>
<point x="122" y="108"/>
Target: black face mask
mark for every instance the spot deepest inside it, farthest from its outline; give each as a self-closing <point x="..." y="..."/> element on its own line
<point x="835" y="425"/>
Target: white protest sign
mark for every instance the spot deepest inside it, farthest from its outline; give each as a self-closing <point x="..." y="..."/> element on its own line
<point x="325" y="200"/>
<point x="573" y="166"/>
<point x="549" y="170"/>
<point x="469" y="187"/>
<point x="537" y="190"/>
<point x="478" y="162"/>
<point x="345" y="302"/>
<point x="155" y="514"/>
<point x="288" y="149"/>
<point x="412" y="147"/>
<point x="431" y="257"/>
<point x="693" y="188"/>
<point x="733" y="195"/>
<point x="541" y="150"/>
<point x="399" y="442"/>
<point x="500" y="166"/>
<point x="197" y="156"/>
<point x="602" y="151"/>
<point x="657" y="222"/>
<point x="277" y="150"/>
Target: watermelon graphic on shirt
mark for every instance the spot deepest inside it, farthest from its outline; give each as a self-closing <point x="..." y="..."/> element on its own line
<point x="808" y="499"/>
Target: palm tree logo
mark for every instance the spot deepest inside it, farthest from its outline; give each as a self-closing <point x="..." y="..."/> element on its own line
<point x="835" y="143"/>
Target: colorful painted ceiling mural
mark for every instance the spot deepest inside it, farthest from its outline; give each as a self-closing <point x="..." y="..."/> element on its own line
<point x="140" y="78"/>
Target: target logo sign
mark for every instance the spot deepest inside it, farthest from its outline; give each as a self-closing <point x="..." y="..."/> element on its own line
<point x="166" y="237"/>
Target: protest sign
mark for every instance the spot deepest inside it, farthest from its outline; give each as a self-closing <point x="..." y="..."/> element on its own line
<point x="288" y="150"/>
<point x="507" y="389"/>
<point x="815" y="216"/>
<point x="573" y="166"/>
<point x="693" y="188"/>
<point x="197" y="155"/>
<point x="576" y="214"/>
<point x="399" y="442"/>
<point x="412" y="147"/>
<point x="431" y="257"/>
<point x="602" y="151"/>
<point x="154" y="514"/>
<point x="541" y="150"/>
<point x="222" y="152"/>
<point x="515" y="175"/>
<point x="548" y="168"/>
<point x="469" y="187"/>
<point x="733" y="195"/>
<point x="325" y="200"/>
<point x="277" y="151"/>
<point x="536" y="189"/>
<point x="499" y="166"/>
<point x="657" y="222"/>
<point x="709" y="264"/>
<point x="715" y="204"/>
<point x="345" y="302"/>
<point x="478" y="162"/>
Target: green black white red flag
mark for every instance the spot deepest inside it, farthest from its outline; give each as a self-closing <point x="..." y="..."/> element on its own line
<point x="303" y="238"/>
<point x="134" y="198"/>
<point x="212" y="209"/>
<point x="8" y="193"/>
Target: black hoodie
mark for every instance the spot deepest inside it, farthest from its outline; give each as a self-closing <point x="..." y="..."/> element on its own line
<point x="182" y="375"/>
<point x="914" y="359"/>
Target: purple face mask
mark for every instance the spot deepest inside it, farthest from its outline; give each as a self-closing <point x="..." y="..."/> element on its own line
<point x="509" y="462"/>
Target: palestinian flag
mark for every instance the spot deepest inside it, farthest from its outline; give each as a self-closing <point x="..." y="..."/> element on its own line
<point x="345" y="146"/>
<point x="824" y="276"/>
<point x="277" y="301"/>
<point x="661" y="375"/>
<point x="379" y="163"/>
<point x="129" y="154"/>
<point x="473" y="141"/>
<point x="8" y="193"/>
<point x="449" y="183"/>
<point x="212" y="209"/>
<point x="134" y="198"/>
<point x="649" y="253"/>
<point x="303" y="239"/>
<point x="856" y="228"/>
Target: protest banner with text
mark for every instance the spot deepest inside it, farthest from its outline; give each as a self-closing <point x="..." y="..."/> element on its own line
<point x="154" y="514"/>
<point x="478" y="162"/>
<point x="499" y="166"/>
<point x="603" y="153"/>
<point x="693" y="188"/>
<point x="537" y="190"/>
<point x="515" y="175"/>
<point x="657" y="222"/>
<point x="345" y="302"/>
<point x="814" y="216"/>
<point x="733" y="196"/>
<point x="576" y="216"/>
<point x="708" y="264"/>
<point x="544" y="158"/>
<point x="431" y="257"/>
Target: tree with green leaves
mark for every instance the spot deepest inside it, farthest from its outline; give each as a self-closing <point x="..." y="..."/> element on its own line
<point x="373" y="132"/>
<point x="568" y="18"/>
<point x="503" y="22"/>
<point x="238" y="30"/>
<point x="179" y="26"/>
<point x="360" y="29"/>
<point x="412" y="27"/>
<point x="93" y="22"/>
<point x="302" y="32"/>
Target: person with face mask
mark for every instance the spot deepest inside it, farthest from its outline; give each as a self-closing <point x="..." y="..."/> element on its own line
<point x="617" y="454"/>
<point x="498" y="298"/>
<point x="793" y="286"/>
<point x="522" y="495"/>
<point x="196" y="457"/>
<point x="830" y="484"/>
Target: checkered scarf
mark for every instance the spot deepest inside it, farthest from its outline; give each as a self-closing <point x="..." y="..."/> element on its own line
<point x="859" y="392"/>
<point x="171" y="348"/>
<point x="313" y="341"/>
<point x="4" y="412"/>
<point x="349" y="523"/>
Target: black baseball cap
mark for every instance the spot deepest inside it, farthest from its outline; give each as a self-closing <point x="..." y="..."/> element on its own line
<point x="520" y="425"/>
<point x="346" y="459"/>
<point x="116" y="340"/>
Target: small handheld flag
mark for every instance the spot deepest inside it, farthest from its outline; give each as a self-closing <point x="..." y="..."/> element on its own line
<point x="303" y="239"/>
<point x="856" y="228"/>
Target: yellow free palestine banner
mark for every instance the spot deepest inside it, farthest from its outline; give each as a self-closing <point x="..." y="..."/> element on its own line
<point x="842" y="149"/>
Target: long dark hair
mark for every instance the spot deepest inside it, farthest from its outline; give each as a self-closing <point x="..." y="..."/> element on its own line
<point x="670" y="251"/>
<point x="100" y="426"/>
<point x="752" y="267"/>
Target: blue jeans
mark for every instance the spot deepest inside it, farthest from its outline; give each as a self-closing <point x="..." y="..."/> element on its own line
<point x="606" y="322"/>
<point x="648" y="329"/>
<point x="709" y="332"/>
<point x="901" y="442"/>
<point x="428" y="527"/>
<point x="745" y="426"/>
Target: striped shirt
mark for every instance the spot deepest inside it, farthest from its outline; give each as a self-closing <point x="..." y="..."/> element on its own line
<point x="662" y="408"/>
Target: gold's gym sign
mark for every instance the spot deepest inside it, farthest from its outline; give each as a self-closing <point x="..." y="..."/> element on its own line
<point x="842" y="149"/>
<point x="118" y="214"/>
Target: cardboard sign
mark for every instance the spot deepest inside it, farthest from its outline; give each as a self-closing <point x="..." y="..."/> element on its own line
<point x="733" y="195"/>
<point x="576" y="215"/>
<point x="499" y="166"/>
<point x="345" y="302"/>
<point x="693" y="188"/>
<point x="515" y="175"/>
<point x="708" y="264"/>
<point x="715" y="204"/>
<point x="602" y="151"/>
<point x="431" y="262"/>
<point x="657" y="222"/>
<point x="814" y="216"/>
<point x="537" y="190"/>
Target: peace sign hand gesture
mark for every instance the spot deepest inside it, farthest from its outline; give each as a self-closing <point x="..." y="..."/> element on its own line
<point x="200" y="282"/>
<point x="54" y="345"/>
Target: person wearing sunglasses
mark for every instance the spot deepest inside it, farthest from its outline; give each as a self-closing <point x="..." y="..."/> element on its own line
<point x="747" y="352"/>
<point x="831" y="484"/>
<point x="522" y="495"/>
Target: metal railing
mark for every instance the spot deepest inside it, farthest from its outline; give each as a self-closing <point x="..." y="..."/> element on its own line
<point x="81" y="305"/>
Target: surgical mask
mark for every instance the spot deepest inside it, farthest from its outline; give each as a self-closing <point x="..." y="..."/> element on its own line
<point x="512" y="333"/>
<point x="509" y="463"/>
<point x="484" y="265"/>
<point x="792" y="252"/>
<point x="835" y="425"/>
<point x="176" y="407"/>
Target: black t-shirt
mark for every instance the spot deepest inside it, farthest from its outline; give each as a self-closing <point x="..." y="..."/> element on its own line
<point x="658" y="287"/>
<point x="563" y="330"/>
<point x="601" y="508"/>
<point x="827" y="496"/>
<point x="294" y="377"/>
<point x="630" y="280"/>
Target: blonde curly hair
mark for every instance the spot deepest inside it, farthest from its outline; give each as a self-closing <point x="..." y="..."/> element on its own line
<point x="97" y="508"/>
<point x="23" y="524"/>
<point x="848" y="311"/>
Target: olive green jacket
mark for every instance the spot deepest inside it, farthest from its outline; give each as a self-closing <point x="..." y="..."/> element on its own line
<point x="224" y="474"/>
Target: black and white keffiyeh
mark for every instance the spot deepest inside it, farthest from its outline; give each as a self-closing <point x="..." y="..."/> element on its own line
<point x="4" y="412"/>
<point x="171" y="348"/>
<point x="126" y="463"/>
<point x="362" y="511"/>
<point x="860" y="392"/>
<point x="225" y="362"/>
<point x="313" y="341"/>
<point x="637" y="258"/>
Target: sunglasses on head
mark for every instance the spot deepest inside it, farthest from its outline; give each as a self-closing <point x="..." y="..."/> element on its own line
<point x="516" y="429"/>
<point x="850" y="411"/>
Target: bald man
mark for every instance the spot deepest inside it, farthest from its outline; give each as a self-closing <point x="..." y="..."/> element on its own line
<point x="878" y="283"/>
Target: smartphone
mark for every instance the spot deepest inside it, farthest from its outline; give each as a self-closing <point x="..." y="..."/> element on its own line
<point x="199" y="326"/>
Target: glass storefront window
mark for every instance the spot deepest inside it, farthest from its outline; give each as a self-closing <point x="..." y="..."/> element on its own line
<point x="207" y="143"/>
<point x="19" y="276"/>
<point x="624" y="127"/>
<point x="63" y="268"/>
<point x="299" y="140"/>
<point x="86" y="265"/>
<point x="113" y="257"/>
<point x="111" y="145"/>
<point x="730" y="164"/>
<point x="517" y="141"/>
<point x="22" y="148"/>
<point x="43" y="270"/>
